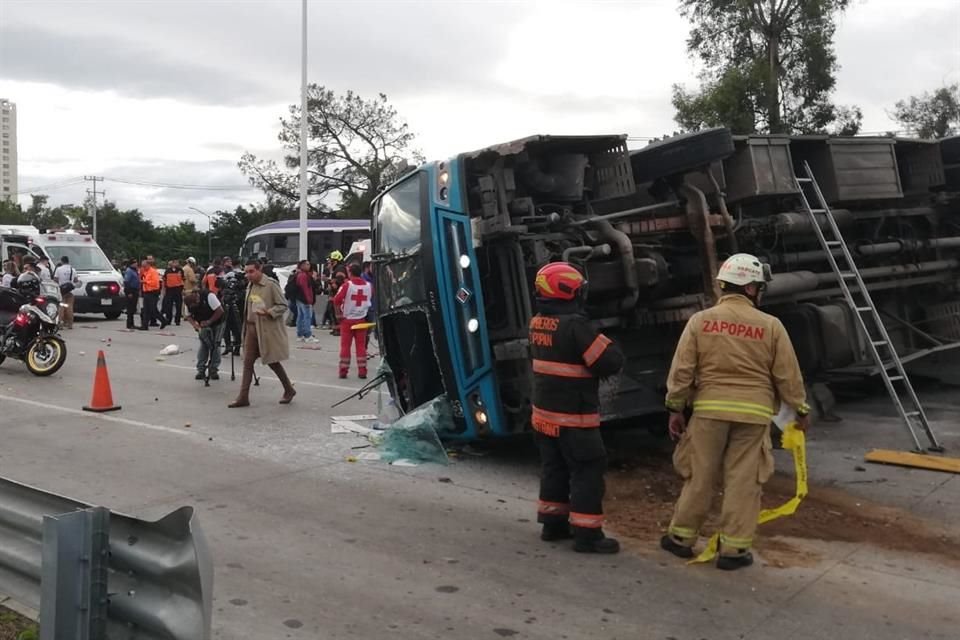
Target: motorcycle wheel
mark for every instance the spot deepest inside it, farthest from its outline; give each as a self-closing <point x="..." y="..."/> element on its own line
<point x="46" y="355"/>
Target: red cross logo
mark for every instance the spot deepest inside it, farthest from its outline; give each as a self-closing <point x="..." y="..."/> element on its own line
<point x="359" y="297"/>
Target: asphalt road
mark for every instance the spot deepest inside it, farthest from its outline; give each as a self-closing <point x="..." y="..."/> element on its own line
<point x="309" y="545"/>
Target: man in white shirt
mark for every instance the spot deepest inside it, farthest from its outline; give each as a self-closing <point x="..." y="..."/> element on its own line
<point x="65" y="276"/>
<point x="44" y="269"/>
<point x="9" y="273"/>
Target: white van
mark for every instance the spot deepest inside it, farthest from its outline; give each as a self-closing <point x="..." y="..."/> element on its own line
<point x="99" y="287"/>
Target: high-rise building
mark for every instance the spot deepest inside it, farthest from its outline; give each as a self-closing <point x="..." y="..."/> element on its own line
<point x="8" y="150"/>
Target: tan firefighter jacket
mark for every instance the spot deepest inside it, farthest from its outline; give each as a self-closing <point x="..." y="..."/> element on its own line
<point x="736" y="363"/>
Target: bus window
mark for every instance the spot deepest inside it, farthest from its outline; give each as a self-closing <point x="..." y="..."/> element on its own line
<point x="321" y="243"/>
<point x="349" y="237"/>
<point x="398" y="218"/>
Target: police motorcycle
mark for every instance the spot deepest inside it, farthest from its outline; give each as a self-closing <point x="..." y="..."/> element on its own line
<point x="29" y="326"/>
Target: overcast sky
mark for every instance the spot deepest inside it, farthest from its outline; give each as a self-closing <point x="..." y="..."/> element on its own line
<point x="174" y="91"/>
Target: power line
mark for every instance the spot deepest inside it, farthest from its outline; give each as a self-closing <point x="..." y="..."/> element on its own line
<point x="169" y="185"/>
<point x="53" y="186"/>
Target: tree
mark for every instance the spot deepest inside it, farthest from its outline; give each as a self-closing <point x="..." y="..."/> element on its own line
<point x="356" y="147"/>
<point x="932" y="115"/>
<point x="768" y="65"/>
<point x="11" y="213"/>
<point x="847" y="121"/>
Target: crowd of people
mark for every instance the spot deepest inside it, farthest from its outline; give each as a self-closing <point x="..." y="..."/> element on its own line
<point x="243" y="309"/>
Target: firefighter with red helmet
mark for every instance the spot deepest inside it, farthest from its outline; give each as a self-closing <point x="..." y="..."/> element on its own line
<point x="569" y="358"/>
<point x="733" y="365"/>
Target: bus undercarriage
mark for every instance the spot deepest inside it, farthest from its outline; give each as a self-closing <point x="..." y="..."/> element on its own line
<point x="649" y="228"/>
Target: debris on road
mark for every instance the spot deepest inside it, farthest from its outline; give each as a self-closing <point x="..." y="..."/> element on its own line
<point x="643" y="489"/>
<point x="351" y="424"/>
<point x="407" y="440"/>
<point x="170" y="350"/>
<point x="414" y="435"/>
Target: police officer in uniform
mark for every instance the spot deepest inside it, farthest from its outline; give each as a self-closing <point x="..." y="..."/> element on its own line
<point x="733" y="365"/>
<point x="569" y="358"/>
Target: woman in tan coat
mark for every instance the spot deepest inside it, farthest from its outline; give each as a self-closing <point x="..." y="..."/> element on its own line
<point x="264" y="335"/>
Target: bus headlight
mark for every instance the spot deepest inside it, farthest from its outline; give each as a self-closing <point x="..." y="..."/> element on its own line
<point x="473" y="325"/>
<point x="480" y="416"/>
<point x="464" y="261"/>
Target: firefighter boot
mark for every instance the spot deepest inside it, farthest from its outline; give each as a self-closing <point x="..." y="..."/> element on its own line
<point x="556" y="531"/>
<point x="669" y="543"/>
<point x="593" y="541"/>
<point x="732" y="563"/>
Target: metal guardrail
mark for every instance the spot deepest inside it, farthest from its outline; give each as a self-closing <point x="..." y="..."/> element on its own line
<point x="159" y="575"/>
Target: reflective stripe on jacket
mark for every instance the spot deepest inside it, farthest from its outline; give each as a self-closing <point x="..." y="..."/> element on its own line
<point x="568" y="359"/>
<point x="735" y="362"/>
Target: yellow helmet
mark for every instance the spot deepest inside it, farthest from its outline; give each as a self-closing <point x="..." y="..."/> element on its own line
<point x="336" y="255"/>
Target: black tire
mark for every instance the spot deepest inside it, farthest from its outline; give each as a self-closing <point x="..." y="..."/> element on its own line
<point x="680" y="154"/>
<point x="49" y="361"/>
<point x="2" y="358"/>
<point x="112" y="315"/>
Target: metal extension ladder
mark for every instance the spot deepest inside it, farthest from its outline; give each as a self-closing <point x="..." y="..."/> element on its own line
<point x="878" y="338"/>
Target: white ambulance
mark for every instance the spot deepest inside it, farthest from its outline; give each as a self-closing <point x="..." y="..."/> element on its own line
<point x="99" y="287"/>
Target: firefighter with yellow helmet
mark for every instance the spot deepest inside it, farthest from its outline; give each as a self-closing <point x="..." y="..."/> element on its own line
<point x="734" y="364"/>
<point x="569" y="357"/>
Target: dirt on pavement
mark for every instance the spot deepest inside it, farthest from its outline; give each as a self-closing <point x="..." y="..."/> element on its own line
<point x="642" y="490"/>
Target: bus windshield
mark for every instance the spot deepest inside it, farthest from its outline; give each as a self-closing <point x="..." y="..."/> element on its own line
<point x="86" y="257"/>
<point x="398" y="218"/>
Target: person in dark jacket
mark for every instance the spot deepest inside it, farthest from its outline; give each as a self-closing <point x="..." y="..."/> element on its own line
<point x="131" y="289"/>
<point x="569" y="358"/>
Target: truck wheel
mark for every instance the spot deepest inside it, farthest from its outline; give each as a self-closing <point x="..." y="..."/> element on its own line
<point x="681" y="154"/>
<point x="112" y="315"/>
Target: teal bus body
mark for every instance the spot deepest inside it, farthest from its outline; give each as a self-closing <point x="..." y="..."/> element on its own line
<point x="454" y="309"/>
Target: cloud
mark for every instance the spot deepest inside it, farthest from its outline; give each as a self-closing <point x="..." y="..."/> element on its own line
<point x="249" y="52"/>
<point x="110" y="63"/>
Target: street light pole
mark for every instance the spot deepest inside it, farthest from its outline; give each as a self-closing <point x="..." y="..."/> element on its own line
<point x="209" y="233"/>
<point x="304" y="118"/>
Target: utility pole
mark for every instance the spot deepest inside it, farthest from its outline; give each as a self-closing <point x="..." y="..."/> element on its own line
<point x="94" y="193"/>
<point x="304" y="117"/>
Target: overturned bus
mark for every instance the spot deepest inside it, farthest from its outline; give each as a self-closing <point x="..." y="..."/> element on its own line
<point x="456" y="244"/>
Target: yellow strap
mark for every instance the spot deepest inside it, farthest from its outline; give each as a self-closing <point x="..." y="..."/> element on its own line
<point x="795" y="441"/>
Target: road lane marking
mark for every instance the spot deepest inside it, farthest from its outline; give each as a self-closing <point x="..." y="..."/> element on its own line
<point x="339" y="387"/>
<point x="99" y="416"/>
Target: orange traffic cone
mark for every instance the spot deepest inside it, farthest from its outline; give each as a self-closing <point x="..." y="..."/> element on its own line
<point x="102" y="399"/>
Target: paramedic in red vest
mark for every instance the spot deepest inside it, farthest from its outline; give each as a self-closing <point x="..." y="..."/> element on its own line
<point x="569" y="358"/>
<point x="353" y="300"/>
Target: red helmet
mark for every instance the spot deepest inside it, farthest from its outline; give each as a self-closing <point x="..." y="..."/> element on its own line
<point x="559" y="281"/>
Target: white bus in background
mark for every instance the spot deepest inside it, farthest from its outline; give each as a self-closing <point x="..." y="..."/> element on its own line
<point x="99" y="287"/>
<point x="279" y="242"/>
